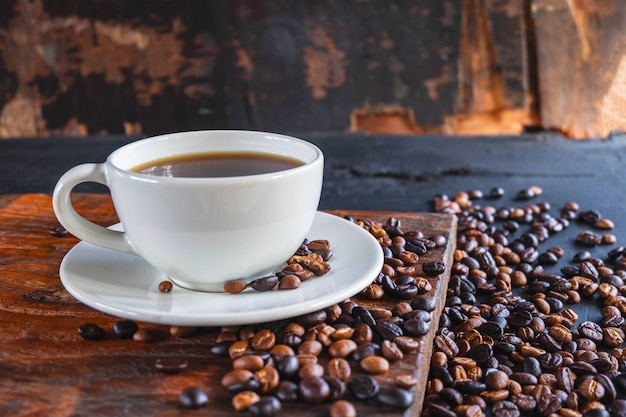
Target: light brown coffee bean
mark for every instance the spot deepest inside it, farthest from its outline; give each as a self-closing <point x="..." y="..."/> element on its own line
<point x="244" y="399"/>
<point x="264" y="339"/>
<point x="391" y="351"/>
<point x="165" y="286"/>
<point x="250" y="362"/>
<point x="340" y="368"/>
<point x="374" y="365"/>
<point x="145" y="335"/>
<point x="342" y="408"/>
<point x="268" y="377"/>
<point x="235" y="287"/>
<point x="182" y="331"/>
<point x="310" y="347"/>
<point x="342" y="348"/>
<point x="236" y="376"/>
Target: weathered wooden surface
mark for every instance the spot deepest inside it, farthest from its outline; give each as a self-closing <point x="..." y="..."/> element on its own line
<point x="47" y="369"/>
<point x="114" y="66"/>
<point x="581" y="53"/>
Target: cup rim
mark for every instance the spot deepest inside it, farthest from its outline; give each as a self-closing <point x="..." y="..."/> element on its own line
<point x="124" y="171"/>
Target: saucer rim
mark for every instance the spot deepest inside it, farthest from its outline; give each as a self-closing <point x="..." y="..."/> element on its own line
<point x="370" y="269"/>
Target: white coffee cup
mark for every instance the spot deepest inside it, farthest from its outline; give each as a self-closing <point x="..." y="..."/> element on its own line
<point x="202" y="232"/>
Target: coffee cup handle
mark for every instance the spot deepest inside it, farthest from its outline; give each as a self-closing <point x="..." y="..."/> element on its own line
<point x="77" y="224"/>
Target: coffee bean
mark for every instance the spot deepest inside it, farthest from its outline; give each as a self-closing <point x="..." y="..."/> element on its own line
<point x="434" y="268"/>
<point x="242" y="401"/>
<point x="165" y="286"/>
<point x="374" y="364"/>
<point x="395" y="397"/>
<point x="363" y="387"/>
<point x="91" y="331"/>
<point x="267" y="406"/>
<point x="287" y="391"/>
<point x="125" y="329"/>
<point x="591" y="331"/>
<point x="342" y="408"/>
<point x="313" y="389"/>
<point x="505" y="409"/>
<point x="264" y="284"/>
<point x="145" y="335"/>
<point x="193" y="398"/>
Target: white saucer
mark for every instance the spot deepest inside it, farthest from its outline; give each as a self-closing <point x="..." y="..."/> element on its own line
<point x="125" y="285"/>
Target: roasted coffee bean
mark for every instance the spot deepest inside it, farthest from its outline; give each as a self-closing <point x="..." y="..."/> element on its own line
<point x="434" y="268"/>
<point x="416" y="327"/>
<point x="342" y="408"/>
<point x="312" y="319"/>
<point x="313" y="389"/>
<point x="242" y="401"/>
<point x="166" y="286"/>
<point x="125" y="329"/>
<point x="388" y="330"/>
<point x="505" y="409"/>
<point x="337" y="387"/>
<point x="340" y="368"/>
<point x="267" y="406"/>
<point x="363" y="387"/>
<point x="145" y="335"/>
<point x="288" y="366"/>
<point x="287" y="391"/>
<point x="91" y="331"/>
<point x="171" y="365"/>
<point x="193" y="398"/>
<point x="374" y="364"/>
<point x="591" y="331"/>
<point x="469" y="387"/>
<point x="395" y="397"/>
<point x="58" y="231"/>
<point x="264" y="284"/>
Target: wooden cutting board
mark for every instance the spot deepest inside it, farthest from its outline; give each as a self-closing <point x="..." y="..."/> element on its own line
<point x="47" y="369"/>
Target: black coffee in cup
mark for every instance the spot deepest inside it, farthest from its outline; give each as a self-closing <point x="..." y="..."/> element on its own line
<point x="217" y="164"/>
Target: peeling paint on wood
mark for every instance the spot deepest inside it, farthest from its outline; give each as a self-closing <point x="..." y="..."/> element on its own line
<point x="477" y="66"/>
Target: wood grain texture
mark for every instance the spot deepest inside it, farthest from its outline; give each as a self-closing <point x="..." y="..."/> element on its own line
<point x="47" y="369"/>
<point x="581" y="52"/>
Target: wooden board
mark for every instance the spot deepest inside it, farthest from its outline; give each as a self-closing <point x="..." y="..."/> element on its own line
<point x="46" y="368"/>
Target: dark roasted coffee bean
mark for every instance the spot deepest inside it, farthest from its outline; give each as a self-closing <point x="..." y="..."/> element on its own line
<point x="395" y="397"/>
<point x="423" y="302"/>
<point x="364" y="316"/>
<point x="313" y="389"/>
<point x="480" y="353"/>
<point x="434" y="268"/>
<point x="221" y="348"/>
<point x="193" y="398"/>
<point x="363" y="387"/>
<point x="505" y="409"/>
<point x="469" y="386"/>
<point x="590" y="330"/>
<point x="416" y="327"/>
<point x="288" y="366"/>
<point x="287" y="391"/>
<point x="416" y="246"/>
<point x="268" y="406"/>
<point x="312" y="319"/>
<point x="548" y="403"/>
<point x="366" y="349"/>
<point x="532" y="366"/>
<point x="388" y="330"/>
<point x="491" y="329"/>
<point x="91" y="331"/>
<point x="264" y="284"/>
<point x="125" y="329"/>
<point x="337" y="387"/>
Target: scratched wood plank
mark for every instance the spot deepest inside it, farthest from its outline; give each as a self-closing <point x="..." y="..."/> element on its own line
<point x="47" y="369"/>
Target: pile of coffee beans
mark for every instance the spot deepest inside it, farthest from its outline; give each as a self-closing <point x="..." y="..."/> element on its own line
<point x="510" y="341"/>
<point x="341" y="355"/>
<point x="310" y="260"/>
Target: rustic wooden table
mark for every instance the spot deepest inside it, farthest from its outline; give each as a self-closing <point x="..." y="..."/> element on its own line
<point x="47" y="369"/>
